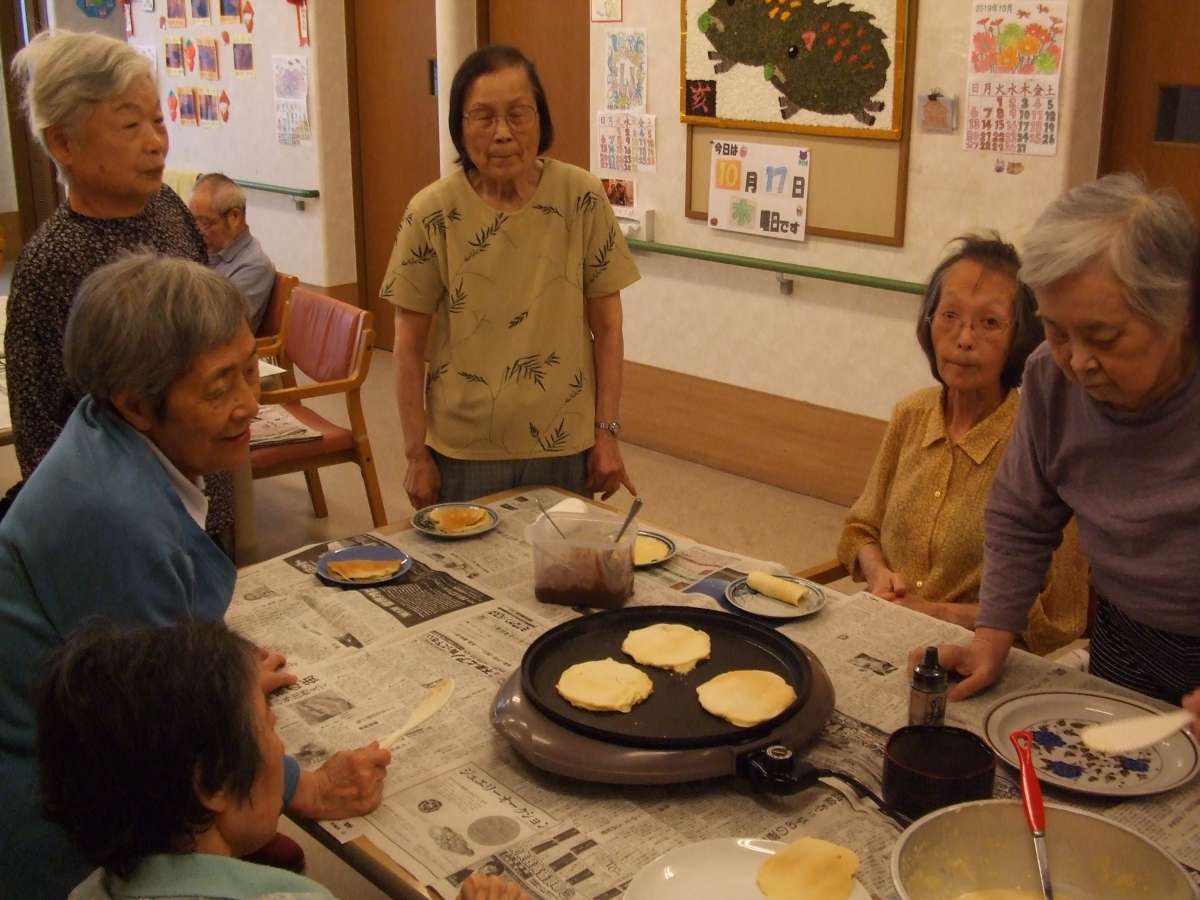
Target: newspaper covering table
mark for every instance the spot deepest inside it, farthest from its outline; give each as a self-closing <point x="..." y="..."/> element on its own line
<point x="458" y="798"/>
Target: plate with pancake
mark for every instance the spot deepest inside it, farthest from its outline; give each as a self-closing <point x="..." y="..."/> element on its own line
<point x="455" y="520"/>
<point x="369" y="565"/>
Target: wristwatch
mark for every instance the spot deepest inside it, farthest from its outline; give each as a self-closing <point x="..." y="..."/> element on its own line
<point x="611" y="427"/>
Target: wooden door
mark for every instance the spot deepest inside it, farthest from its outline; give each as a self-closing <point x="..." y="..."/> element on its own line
<point x="1152" y="110"/>
<point x="555" y="35"/>
<point x="397" y="130"/>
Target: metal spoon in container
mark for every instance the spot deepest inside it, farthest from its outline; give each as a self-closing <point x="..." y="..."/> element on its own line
<point x="548" y="519"/>
<point x="1035" y="812"/>
<point x="633" y="511"/>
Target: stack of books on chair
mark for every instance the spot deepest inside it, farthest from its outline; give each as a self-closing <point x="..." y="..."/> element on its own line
<point x="275" y="425"/>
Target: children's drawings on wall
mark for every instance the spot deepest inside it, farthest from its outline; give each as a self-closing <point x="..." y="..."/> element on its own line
<point x="621" y="193"/>
<point x="625" y="69"/>
<point x="206" y="107"/>
<point x="176" y="14"/>
<point x="1013" y="76"/>
<point x="208" y="59"/>
<point x="97" y="9"/>
<point x="817" y="66"/>
<point x="187" y="106"/>
<point x="759" y="189"/>
<point x="243" y="57"/>
<point x="173" y="56"/>
<point x="231" y="12"/>
<point x="201" y="12"/>
<point x="606" y="10"/>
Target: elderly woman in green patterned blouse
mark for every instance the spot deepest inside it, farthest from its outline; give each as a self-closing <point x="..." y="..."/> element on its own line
<point x="506" y="277"/>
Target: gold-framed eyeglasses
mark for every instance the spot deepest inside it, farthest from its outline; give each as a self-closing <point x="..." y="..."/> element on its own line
<point x="950" y="321"/>
<point x="518" y="118"/>
<point x="206" y="222"/>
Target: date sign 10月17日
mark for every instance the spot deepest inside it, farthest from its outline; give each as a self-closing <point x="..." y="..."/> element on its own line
<point x="759" y="189"/>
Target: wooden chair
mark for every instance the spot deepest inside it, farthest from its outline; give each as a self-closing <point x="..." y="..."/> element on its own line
<point x="329" y="342"/>
<point x="824" y="573"/>
<point x="272" y="321"/>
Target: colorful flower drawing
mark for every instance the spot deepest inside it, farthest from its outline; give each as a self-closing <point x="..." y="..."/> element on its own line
<point x="1005" y="48"/>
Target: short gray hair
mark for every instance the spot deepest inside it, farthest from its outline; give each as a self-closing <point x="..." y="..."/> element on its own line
<point x="66" y="74"/>
<point x="1145" y="238"/>
<point x="226" y="194"/>
<point x="139" y="323"/>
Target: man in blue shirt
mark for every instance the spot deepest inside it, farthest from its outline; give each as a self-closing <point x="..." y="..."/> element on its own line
<point x="219" y="207"/>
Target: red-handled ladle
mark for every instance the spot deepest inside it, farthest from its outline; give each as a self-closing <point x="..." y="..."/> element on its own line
<point x="1035" y="812"/>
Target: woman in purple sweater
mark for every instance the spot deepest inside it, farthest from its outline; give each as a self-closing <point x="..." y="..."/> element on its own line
<point x="1109" y="431"/>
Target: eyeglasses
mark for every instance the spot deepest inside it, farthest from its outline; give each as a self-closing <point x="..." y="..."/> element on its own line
<point x="949" y="321"/>
<point x="518" y="118"/>
<point x="206" y="222"/>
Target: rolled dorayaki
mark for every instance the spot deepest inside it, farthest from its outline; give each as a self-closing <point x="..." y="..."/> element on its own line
<point x="776" y="588"/>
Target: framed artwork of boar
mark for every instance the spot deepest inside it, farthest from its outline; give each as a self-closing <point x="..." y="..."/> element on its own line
<point x="834" y="67"/>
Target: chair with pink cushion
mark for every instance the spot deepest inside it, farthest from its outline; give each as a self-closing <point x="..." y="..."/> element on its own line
<point x="329" y="342"/>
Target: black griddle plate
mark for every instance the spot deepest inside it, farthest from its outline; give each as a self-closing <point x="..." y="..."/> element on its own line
<point x="671" y="718"/>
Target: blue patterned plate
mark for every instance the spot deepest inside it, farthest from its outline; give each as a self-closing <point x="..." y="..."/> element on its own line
<point x="366" y="551"/>
<point x="749" y="600"/>
<point x="1062" y="759"/>
<point x="422" y="520"/>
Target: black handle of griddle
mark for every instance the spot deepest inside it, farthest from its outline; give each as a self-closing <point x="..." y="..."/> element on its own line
<point x="777" y="770"/>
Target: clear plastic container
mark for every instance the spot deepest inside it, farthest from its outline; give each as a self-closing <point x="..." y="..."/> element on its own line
<point x="586" y="568"/>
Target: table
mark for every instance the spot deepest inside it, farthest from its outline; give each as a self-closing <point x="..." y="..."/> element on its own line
<point x="467" y="610"/>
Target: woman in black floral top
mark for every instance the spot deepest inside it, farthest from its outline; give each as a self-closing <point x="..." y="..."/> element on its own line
<point x="93" y="105"/>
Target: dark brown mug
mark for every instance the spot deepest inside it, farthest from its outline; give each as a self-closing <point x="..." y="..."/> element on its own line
<point x="926" y="767"/>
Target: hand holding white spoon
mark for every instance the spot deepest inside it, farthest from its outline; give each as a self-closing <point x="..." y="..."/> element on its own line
<point x="1135" y="733"/>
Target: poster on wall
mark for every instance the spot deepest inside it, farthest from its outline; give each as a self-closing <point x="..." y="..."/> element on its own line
<point x="626" y="141"/>
<point x="207" y="59"/>
<point x="1014" y="74"/>
<point x="290" y="83"/>
<point x="201" y="12"/>
<point x="187" y="106"/>
<point x="96" y="9"/>
<point x="606" y="10"/>
<point x="173" y="56"/>
<point x="625" y="69"/>
<point x="243" y="57"/>
<point x="177" y="13"/>
<point x="782" y="65"/>
<point x="231" y="12"/>
<point x="759" y="189"/>
<point x="622" y="195"/>
<point x="206" y="107"/>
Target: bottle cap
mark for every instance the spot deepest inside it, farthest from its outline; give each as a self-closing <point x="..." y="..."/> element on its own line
<point x="929" y="674"/>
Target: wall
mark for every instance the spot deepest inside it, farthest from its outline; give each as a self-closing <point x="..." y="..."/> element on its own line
<point x="317" y="244"/>
<point x="839" y="346"/>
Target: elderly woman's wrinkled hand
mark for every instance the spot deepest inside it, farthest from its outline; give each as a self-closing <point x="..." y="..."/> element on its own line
<point x="271" y="676"/>
<point x="422" y="481"/>
<point x="606" y="469"/>
<point x="349" y="784"/>
<point x="887" y="584"/>
<point x="1192" y="703"/>
<point x="490" y="887"/>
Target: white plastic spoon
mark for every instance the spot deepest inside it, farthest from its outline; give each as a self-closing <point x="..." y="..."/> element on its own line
<point x="434" y="700"/>
<point x="1136" y="733"/>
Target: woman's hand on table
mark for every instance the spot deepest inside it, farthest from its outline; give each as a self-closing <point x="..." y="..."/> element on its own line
<point x="606" y="469"/>
<point x="490" y="887"/>
<point x="422" y="480"/>
<point x="889" y="585"/>
<point x="981" y="661"/>
<point x="1192" y="703"/>
<point x="271" y="676"/>
<point x="349" y="784"/>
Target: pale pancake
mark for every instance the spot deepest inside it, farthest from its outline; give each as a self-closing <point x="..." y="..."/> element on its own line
<point x="746" y="697"/>
<point x="364" y="569"/>
<point x="777" y="588"/>
<point x="809" y="869"/>
<point x="647" y="550"/>
<point x="604" y="685"/>
<point x="457" y="519"/>
<point x="668" y="646"/>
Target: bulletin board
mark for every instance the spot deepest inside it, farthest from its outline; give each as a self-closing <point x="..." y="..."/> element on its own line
<point x="859" y="186"/>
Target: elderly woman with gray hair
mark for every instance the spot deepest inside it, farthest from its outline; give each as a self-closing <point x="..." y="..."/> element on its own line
<point x="1109" y="431"/>
<point x="92" y="104"/>
<point x="110" y="525"/>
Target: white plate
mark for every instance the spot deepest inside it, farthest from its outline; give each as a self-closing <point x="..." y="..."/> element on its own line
<point x="720" y="869"/>
<point x="1062" y="759"/>
<point x="424" y="524"/>
<point x="746" y="598"/>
